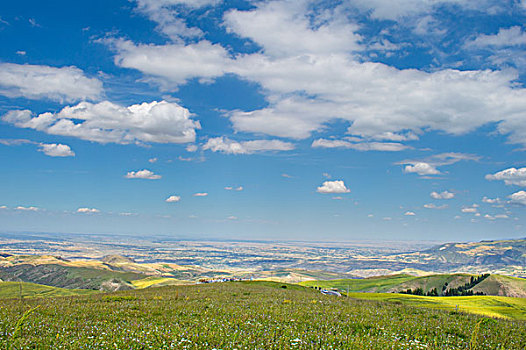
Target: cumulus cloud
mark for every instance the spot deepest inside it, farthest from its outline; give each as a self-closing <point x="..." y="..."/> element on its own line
<point x="434" y="206"/>
<point x="165" y="14"/>
<point x="27" y="208"/>
<point x="261" y="25"/>
<point x="400" y="9"/>
<point x="15" y="142"/>
<point x="472" y="209"/>
<point x="491" y="200"/>
<point x="511" y="176"/>
<point x="409" y="213"/>
<point x="105" y="122"/>
<point x="421" y="168"/>
<point x="518" y="198"/>
<point x="56" y="150"/>
<point x="498" y="216"/>
<point x="428" y="166"/>
<point x="230" y="188"/>
<point x="142" y="174"/>
<point x="311" y="75"/>
<point x="513" y="36"/>
<point x="66" y="84"/>
<point x="88" y="210"/>
<point x="362" y="146"/>
<point x="200" y="194"/>
<point x="337" y="186"/>
<point x="225" y="145"/>
<point x="173" y="199"/>
<point x="152" y="160"/>
<point x="442" y="195"/>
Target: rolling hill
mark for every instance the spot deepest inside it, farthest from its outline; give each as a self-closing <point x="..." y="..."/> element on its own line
<point x="492" y="285"/>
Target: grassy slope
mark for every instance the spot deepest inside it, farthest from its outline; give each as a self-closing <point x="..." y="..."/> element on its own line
<point x="246" y="315"/>
<point x="502" y="285"/>
<point x="31" y="290"/>
<point x="371" y="284"/>
<point x="493" y="285"/>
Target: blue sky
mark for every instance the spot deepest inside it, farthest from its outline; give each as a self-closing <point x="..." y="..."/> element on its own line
<point x="300" y="120"/>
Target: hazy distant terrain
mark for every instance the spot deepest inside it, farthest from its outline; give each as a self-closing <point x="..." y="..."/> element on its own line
<point x="360" y="259"/>
<point x="99" y="264"/>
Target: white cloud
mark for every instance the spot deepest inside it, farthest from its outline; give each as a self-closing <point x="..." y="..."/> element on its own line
<point x="472" y="209"/>
<point x="173" y="199"/>
<point x="409" y="213"/>
<point x="104" y="122"/>
<point x="173" y="64"/>
<point x="66" y="84"/>
<point x="363" y="146"/>
<point x="491" y="200"/>
<point x="337" y="186"/>
<point x="428" y="166"/>
<point x="142" y="174"/>
<point x="421" y="168"/>
<point x="301" y="37"/>
<point x="434" y="206"/>
<point x="165" y="14"/>
<point x="230" y="188"/>
<point x="192" y="148"/>
<point x="152" y="160"/>
<point x="400" y="9"/>
<point x="225" y="145"/>
<point x="88" y="210"/>
<point x="510" y="176"/>
<point x="200" y="194"/>
<point x="232" y="217"/>
<point x="56" y="150"/>
<point x="316" y="78"/>
<point x="311" y="76"/>
<point x="442" y="195"/>
<point x="15" y="142"/>
<point x="498" y="216"/>
<point x="518" y="198"/>
<point x="27" y="208"/>
<point x="513" y="36"/>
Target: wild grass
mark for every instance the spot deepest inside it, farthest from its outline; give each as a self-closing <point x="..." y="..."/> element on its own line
<point x="245" y="315"/>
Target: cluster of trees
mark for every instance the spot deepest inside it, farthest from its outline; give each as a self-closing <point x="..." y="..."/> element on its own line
<point x="464" y="290"/>
<point x="419" y="291"/>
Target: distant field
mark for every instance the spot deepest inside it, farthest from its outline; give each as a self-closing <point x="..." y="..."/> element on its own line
<point x="31" y="290"/>
<point x="492" y="306"/>
<point x="157" y="282"/>
<point x="245" y="315"/>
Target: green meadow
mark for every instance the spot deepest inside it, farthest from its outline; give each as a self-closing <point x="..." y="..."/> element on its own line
<point x="246" y="315"/>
